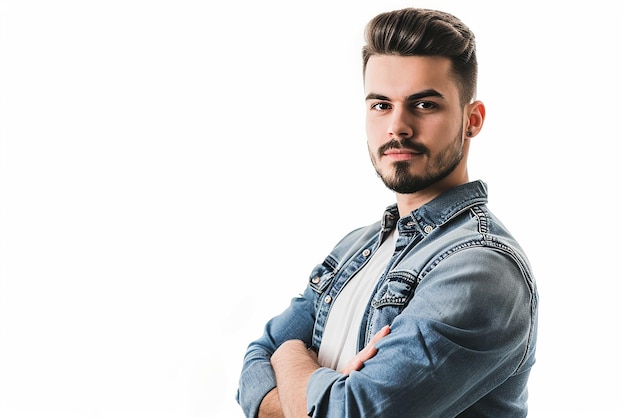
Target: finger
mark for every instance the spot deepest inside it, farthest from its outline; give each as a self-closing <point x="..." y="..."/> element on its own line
<point x="380" y="334"/>
<point x="370" y="349"/>
<point x="352" y="365"/>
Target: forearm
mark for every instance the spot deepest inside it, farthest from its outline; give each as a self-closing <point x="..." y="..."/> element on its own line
<point x="257" y="377"/>
<point x="293" y="366"/>
<point x="270" y="406"/>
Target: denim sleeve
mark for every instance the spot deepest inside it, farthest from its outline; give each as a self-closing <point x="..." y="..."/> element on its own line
<point x="257" y="376"/>
<point x="466" y="330"/>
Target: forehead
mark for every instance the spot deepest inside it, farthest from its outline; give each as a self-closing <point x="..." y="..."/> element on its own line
<point x="400" y="76"/>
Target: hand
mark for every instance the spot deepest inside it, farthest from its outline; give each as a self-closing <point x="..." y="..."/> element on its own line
<point x="356" y="362"/>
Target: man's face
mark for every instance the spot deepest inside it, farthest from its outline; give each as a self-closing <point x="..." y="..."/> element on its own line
<point x="414" y="122"/>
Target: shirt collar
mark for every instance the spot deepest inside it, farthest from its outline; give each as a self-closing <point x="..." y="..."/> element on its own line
<point x="438" y="211"/>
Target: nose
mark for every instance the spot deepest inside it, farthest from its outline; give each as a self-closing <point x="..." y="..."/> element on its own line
<point x="399" y="123"/>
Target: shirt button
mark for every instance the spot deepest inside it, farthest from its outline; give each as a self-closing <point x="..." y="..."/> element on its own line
<point x="315" y="280"/>
<point x="327" y="299"/>
<point x="366" y="253"/>
<point x="428" y="229"/>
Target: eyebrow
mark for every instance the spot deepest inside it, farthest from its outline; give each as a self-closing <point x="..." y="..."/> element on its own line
<point x="412" y="97"/>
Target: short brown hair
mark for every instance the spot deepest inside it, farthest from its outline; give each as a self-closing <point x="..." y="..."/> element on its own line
<point x="425" y="32"/>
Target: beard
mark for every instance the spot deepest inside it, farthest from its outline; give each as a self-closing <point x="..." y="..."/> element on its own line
<point x="439" y="166"/>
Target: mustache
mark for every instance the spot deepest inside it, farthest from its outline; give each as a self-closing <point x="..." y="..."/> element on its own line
<point x="402" y="143"/>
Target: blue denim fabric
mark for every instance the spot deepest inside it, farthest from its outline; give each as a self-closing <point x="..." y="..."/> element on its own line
<point x="461" y="300"/>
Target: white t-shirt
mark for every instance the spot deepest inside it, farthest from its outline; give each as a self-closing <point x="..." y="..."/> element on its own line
<point x="340" y="339"/>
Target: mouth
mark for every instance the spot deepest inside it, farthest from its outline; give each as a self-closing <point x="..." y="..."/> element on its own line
<point x="401" y="154"/>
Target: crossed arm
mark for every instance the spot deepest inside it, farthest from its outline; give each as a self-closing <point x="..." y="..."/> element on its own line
<point x="293" y="365"/>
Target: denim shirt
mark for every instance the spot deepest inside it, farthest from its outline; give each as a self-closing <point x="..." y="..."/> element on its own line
<point x="461" y="301"/>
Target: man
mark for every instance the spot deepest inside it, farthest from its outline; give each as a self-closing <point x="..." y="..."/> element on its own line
<point x="431" y="312"/>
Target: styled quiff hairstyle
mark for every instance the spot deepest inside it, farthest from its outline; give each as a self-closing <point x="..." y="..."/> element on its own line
<point x="424" y="32"/>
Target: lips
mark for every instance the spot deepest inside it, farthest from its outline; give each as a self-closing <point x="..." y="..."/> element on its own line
<point x="401" y="151"/>
<point x="399" y="148"/>
<point x="401" y="154"/>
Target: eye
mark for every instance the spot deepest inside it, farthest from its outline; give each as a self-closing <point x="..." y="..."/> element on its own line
<point x="380" y="106"/>
<point x="425" y="105"/>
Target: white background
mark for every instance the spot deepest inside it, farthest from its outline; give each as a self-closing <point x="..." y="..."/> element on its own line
<point x="170" y="172"/>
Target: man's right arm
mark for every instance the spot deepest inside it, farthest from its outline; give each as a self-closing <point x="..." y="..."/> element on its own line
<point x="270" y="405"/>
<point x="257" y="380"/>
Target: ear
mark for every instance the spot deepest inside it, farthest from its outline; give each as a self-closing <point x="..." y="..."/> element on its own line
<point x="475" y="117"/>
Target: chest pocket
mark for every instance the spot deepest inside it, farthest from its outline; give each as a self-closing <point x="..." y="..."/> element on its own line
<point x="321" y="277"/>
<point x="397" y="290"/>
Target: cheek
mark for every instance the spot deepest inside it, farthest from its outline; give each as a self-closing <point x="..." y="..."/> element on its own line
<point x="375" y="134"/>
<point x="373" y="143"/>
<point x="371" y="148"/>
